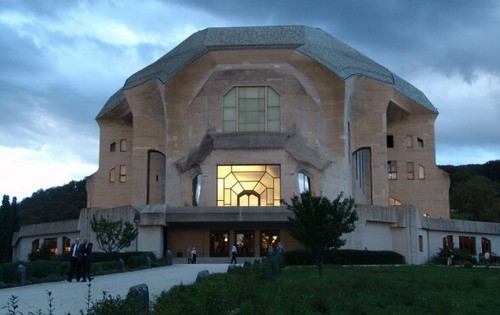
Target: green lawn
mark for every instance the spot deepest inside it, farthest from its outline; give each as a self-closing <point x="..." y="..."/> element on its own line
<point x="342" y="290"/>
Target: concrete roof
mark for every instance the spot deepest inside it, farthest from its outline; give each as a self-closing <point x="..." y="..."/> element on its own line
<point x="315" y="43"/>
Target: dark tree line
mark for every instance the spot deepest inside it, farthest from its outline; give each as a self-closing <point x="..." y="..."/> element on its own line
<point x="8" y="225"/>
<point x="475" y="191"/>
<point x="54" y="204"/>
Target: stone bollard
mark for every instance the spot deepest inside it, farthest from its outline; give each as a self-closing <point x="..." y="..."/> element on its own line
<point x="202" y="275"/>
<point x="139" y="294"/>
<point x="120" y="265"/>
<point x="21" y="274"/>
<point x="168" y="258"/>
<point x="148" y="262"/>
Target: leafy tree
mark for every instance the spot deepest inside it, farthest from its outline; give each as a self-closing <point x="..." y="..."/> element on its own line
<point x="318" y="223"/>
<point x="113" y="236"/>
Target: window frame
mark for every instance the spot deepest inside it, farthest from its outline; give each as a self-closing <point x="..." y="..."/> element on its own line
<point x="236" y="104"/>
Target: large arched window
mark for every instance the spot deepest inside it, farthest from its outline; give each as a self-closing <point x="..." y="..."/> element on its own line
<point x="248" y="185"/>
<point x="251" y="108"/>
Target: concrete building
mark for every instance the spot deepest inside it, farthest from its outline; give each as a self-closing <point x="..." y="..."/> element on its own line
<point x="199" y="147"/>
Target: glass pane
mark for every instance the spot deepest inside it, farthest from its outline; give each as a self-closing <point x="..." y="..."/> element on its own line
<point x="274" y="170"/>
<point x="237" y="189"/>
<point x="248" y="176"/>
<point x="277" y="195"/>
<point x="273" y="126"/>
<point x="230" y="180"/>
<point x="248" y="185"/>
<point x="229" y="126"/>
<point x="253" y="201"/>
<point x="220" y="189"/>
<point x="229" y="114"/>
<point x="267" y="180"/>
<point x="249" y="168"/>
<point x="273" y="98"/>
<point x="259" y="188"/>
<point x="234" y="199"/>
<point x="223" y="170"/>
<point x="263" y="198"/>
<point x="230" y="98"/>
<point x="244" y="200"/>
<point x="273" y="113"/>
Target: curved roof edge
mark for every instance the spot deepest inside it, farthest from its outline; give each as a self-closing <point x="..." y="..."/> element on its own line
<point x="313" y="42"/>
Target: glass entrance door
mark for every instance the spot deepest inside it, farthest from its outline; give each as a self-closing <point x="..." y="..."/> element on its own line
<point x="219" y="243"/>
<point x="246" y="243"/>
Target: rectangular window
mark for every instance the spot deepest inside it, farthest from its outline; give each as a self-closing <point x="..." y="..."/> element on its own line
<point x="447" y="241"/>
<point x="410" y="171"/>
<point x="112" y="147"/>
<point x="123" y="145"/>
<point x="392" y="169"/>
<point x="123" y="173"/>
<point x="112" y="175"/>
<point x="468" y="244"/>
<point x="420" y="243"/>
<point x="251" y="109"/>
<point x="390" y="141"/>
<point x="420" y="143"/>
<point x="421" y="172"/>
<point x="409" y="141"/>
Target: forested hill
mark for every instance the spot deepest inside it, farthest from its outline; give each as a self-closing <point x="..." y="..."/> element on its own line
<point x="474" y="195"/>
<point x="54" y="204"/>
<point x="475" y="191"/>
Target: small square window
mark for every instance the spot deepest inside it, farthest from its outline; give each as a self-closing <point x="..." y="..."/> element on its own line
<point x="123" y="173"/>
<point x="420" y="143"/>
<point x="409" y="141"/>
<point x="392" y="169"/>
<point x="421" y="172"/>
<point x="410" y="171"/>
<point x="390" y="141"/>
<point x="123" y="145"/>
<point x="112" y="175"/>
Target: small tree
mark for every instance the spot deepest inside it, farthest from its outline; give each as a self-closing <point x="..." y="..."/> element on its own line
<point x="113" y="236"/>
<point x="319" y="223"/>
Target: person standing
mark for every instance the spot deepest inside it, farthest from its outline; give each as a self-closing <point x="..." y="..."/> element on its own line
<point x="487" y="257"/>
<point x="280" y="248"/>
<point x="189" y="255"/>
<point x="234" y="253"/>
<point x="193" y="255"/>
<point x="86" y="250"/>
<point x="75" y="260"/>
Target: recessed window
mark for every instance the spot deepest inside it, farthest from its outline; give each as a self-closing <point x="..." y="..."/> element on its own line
<point x="251" y="109"/>
<point x="447" y="241"/>
<point x="248" y="185"/>
<point x="112" y="175"/>
<point x="394" y="202"/>
<point x="197" y="189"/>
<point x="123" y="173"/>
<point x="390" y="141"/>
<point x="421" y="172"/>
<point x="468" y="244"/>
<point x="123" y="145"/>
<point x="410" y="172"/>
<point x="420" y="243"/>
<point x="112" y="147"/>
<point x="392" y="169"/>
<point x="420" y="143"/>
<point x="304" y="183"/>
<point x="409" y="141"/>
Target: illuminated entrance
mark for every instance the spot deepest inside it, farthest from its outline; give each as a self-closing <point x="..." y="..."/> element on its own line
<point x="248" y="185"/>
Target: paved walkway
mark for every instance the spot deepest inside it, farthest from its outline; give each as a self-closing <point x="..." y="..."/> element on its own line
<point x="70" y="298"/>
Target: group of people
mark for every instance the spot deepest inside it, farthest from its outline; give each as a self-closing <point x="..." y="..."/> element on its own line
<point x="79" y="260"/>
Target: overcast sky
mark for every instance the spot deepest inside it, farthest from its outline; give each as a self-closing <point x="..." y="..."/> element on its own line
<point x="61" y="60"/>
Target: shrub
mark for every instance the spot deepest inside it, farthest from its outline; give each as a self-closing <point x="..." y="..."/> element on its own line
<point x="9" y="272"/>
<point x="134" y="262"/>
<point x="42" y="268"/>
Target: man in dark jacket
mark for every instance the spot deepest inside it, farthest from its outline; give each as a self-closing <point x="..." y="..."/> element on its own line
<point x="75" y="261"/>
<point x="86" y="264"/>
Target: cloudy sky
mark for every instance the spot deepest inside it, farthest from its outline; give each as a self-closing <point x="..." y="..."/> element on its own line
<point x="61" y="60"/>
